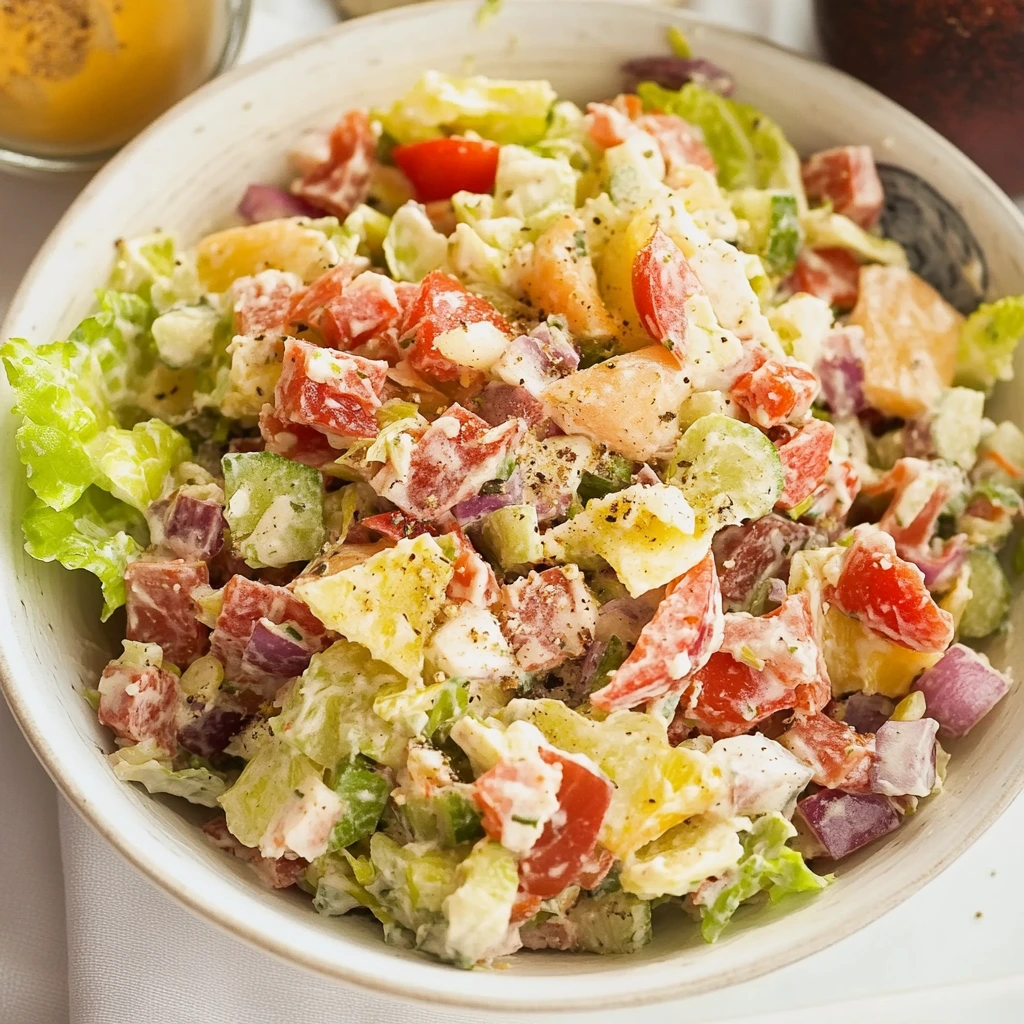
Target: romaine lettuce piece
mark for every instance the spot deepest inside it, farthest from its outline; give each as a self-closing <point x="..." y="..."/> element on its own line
<point x="656" y="785"/>
<point x="567" y="138"/>
<point x="505" y="111"/>
<point x="387" y="603"/>
<point x="988" y="340"/>
<point x="448" y="816"/>
<point x="512" y="537"/>
<point x="153" y="267"/>
<point x="412" y="248"/>
<point x="95" y="533"/>
<point x="274" y="508"/>
<point x="337" y="889"/>
<point x="363" y="793"/>
<point x="824" y="229"/>
<point x="144" y="763"/>
<point x="479" y="910"/>
<point x="370" y="227"/>
<point x="533" y="189"/>
<point x="647" y="534"/>
<point x="767" y="864"/>
<point x="185" y="335"/>
<point x="678" y="861"/>
<point x="277" y="769"/>
<point x="955" y="424"/>
<point x="57" y="466"/>
<point x="1001" y="456"/>
<point x="328" y="714"/>
<point x="612" y="922"/>
<point x="802" y="323"/>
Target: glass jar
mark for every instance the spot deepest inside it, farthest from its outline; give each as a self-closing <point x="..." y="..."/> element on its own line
<point x="79" y="78"/>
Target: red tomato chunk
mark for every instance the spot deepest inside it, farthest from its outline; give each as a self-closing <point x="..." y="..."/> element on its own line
<point x="832" y="275"/>
<point x="774" y="393"/>
<point x="847" y="178"/>
<point x="339" y="183"/>
<point x="438" y="168"/>
<point x="841" y="758"/>
<point x="262" y="303"/>
<point x="160" y="608"/>
<point x="804" y="454"/>
<point x="295" y="440"/>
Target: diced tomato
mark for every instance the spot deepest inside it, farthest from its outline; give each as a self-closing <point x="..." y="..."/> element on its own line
<point x="263" y="302"/>
<point x="662" y="282"/>
<point x="442" y="304"/>
<point x="332" y="392"/>
<point x="834" y="497"/>
<point x="680" y="143"/>
<point x="766" y="664"/>
<point x="566" y="846"/>
<point x="308" y="304"/>
<point x="276" y="872"/>
<point x="473" y="579"/>
<point x="595" y="868"/>
<point x="526" y="906"/>
<point x="342" y="181"/>
<point x="847" y="178"/>
<point x="245" y="602"/>
<point x="607" y="125"/>
<point x="438" y="168"/>
<point x="397" y="525"/>
<point x="160" y="609"/>
<point x="912" y="537"/>
<point x="295" y="440"/>
<point x="830" y="274"/>
<point x="628" y="103"/>
<point x="889" y="595"/>
<point x="685" y="631"/>
<point x="774" y="393"/>
<point x="804" y="454"/>
<point x="140" y="704"/>
<point x="841" y="758"/>
<point x="455" y="456"/>
<point x="367" y="309"/>
<point x="501" y="789"/>
<point x="548" y="617"/>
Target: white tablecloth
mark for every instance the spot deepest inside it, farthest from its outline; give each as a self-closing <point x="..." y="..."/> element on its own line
<point x="85" y="939"/>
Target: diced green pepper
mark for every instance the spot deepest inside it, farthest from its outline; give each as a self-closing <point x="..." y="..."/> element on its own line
<point x="364" y="793"/>
<point x="614" y="655"/>
<point x="613" y="473"/>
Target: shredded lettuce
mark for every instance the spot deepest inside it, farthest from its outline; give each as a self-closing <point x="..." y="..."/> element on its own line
<point x="412" y="248"/>
<point x="505" y="111"/>
<point x="767" y="864"/>
<point x="825" y="229"/>
<point x="988" y="340"/>
<point x="146" y="764"/>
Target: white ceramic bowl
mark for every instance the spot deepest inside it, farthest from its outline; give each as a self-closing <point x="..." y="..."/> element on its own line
<point x="187" y="173"/>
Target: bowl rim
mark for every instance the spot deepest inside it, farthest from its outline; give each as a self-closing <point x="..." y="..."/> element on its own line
<point x="236" y="924"/>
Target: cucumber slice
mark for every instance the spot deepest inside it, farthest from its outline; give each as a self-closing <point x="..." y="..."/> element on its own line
<point x="733" y="472"/>
<point x="511" y="535"/>
<point x="773" y="231"/>
<point x="990" y="596"/>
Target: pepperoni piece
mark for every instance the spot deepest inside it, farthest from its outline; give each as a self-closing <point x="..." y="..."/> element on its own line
<point x="332" y="392"/>
<point x="276" y="872"/>
<point x="830" y="274"/>
<point x="263" y="302"/>
<point x="350" y="312"/>
<point x="160" y="608"/>
<point x="548" y="617"/>
<point x="841" y="758"/>
<point x="774" y="392"/>
<point x="473" y="579"/>
<point x="680" y="142"/>
<point x="847" y="178"/>
<point x="245" y="602"/>
<point x="295" y="441"/>
<point x="308" y="304"/>
<point x="685" y="631"/>
<point x="566" y="846"/>
<point x="889" y="595"/>
<point x="341" y="181"/>
<point x="443" y="304"/>
<point x="455" y="456"/>
<point x="140" y="704"/>
<point x="662" y="282"/>
<point x="804" y="454"/>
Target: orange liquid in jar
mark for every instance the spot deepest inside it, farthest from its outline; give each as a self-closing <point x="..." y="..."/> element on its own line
<point x="82" y="76"/>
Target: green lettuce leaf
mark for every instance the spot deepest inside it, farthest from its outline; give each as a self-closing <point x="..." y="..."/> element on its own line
<point x="146" y="764"/>
<point x="412" y="247"/>
<point x="95" y="533"/>
<point x="504" y="111"/>
<point x="825" y="229"/>
<point x="767" y="864"/>
<point x="988" y="340"/>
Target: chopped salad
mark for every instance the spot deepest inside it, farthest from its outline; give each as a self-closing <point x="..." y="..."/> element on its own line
<point x="536" y="516"/>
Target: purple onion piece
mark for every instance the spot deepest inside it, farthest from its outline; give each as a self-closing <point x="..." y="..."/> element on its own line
<point x="472" y="510"/>
<point x="559" y="353"/>
<point x="534" y="360"/>
<point x="746" y="555"/>
<point x="210" y="732"/>
<point x="269" y="202"/>
<point x="646" y="476"/>
<point x="513" y="486"/>
<point x="625" y="617"/>
<point x="675" y="72"/>
<point x="960" y="689"/>
<point x="840" y="369"/>
<point x="905" y="758"/>
<point x="844" y="822"/>
<point x="867" y="712"/>
<point x="278" y="650"/>
<point x="591" y="662"/>
<point x="777" y="590"/>
<point x="941" y="567"/>
<point x="499" y="402"/>
<point x="194" y="528"/>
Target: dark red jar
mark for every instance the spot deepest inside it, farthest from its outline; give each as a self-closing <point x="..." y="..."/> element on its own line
<point x="958" y="64"/>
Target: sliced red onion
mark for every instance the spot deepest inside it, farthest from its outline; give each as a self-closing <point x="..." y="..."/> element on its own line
<point x="675" y="72"/>
<point x="867" y="712"/>
<point x="625" y="617"/>
<point x="777" y="591"/>
<point x="534" y="360"/>
<point x="905" y="758"/>
<point x="746" y="555"/>
<point x="591" y="661"/>
<point x="646" y="476"/>
<point x="960" y="689"/>
<point x="278" y="650"/>
<point x="210" y="731"/>
<point x="473" y="509"/>
<point x="268" y="202"/>
<point x="940" y="567"/>
<point x="194" y="528"/>
<point x="840" y="369"/>
<point x="559" y="352"/>
<point x="844" y="822"/>
<point x="499" y="402"/>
